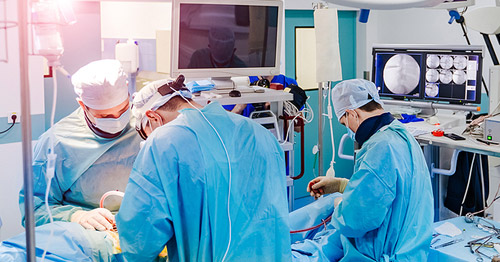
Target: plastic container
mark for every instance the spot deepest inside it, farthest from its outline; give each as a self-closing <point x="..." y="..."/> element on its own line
<point x="47" y="40"/>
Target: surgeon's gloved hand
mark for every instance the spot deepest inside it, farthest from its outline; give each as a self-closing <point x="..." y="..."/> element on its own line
<point x="326" y="185"/>
<point x="98" y="219"/>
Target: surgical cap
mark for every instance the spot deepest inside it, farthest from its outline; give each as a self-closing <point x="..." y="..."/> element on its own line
<point x="148" y="98"/>
<point x="101" y="84"/>
<point x="353" y="94"/>
<point x="221" y="43"/>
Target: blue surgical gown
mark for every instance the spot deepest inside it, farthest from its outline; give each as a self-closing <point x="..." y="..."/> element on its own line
<point x="178" y="192"/>
<point x="87" y="166"/>
<point x="387" y="208"/>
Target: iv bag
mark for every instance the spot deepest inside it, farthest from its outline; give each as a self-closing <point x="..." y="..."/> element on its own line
<point x="46" y="36"/>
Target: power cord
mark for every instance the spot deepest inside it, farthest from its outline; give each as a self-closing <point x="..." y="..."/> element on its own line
<point x="13" y="117"/>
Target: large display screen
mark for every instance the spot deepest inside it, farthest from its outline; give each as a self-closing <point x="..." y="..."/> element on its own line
<point x="442" y="75"/>
<point x="227" y="36"/>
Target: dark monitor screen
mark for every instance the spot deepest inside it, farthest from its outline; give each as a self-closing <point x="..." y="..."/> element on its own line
<point x="227" y="36"/>
<point x="440" y="75"/>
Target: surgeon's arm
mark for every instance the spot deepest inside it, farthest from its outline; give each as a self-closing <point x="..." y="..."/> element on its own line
<point x="144" y="222"/>
<point x="59" y="211"/>
<point x="366" y="201"/>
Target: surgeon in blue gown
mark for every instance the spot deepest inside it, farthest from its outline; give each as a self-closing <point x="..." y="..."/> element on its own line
<point x="96" y="146"/>
<point x="208" y="184"/>
<point x="387" y="209"/>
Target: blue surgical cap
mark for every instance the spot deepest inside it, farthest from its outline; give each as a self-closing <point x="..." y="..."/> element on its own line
<point x="353" y="94"/>
<point x="148" y="98"/>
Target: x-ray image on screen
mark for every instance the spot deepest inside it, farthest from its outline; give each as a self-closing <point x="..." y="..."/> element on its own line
<point x="428" y="72"/>
<point x="398" y="74"/>
<point x="451" y="76"/>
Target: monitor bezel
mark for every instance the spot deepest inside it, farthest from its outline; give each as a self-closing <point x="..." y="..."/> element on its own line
<point x="223" y="72"/>
<point x="434" y="49"/>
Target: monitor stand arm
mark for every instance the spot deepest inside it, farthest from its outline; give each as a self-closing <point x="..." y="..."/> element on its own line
<point x="223" y="82"/>
<point x="490" y="47"/>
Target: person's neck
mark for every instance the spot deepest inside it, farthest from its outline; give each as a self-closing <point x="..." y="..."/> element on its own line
<point x="365" y="115"/>
<point x="191" y="104"/>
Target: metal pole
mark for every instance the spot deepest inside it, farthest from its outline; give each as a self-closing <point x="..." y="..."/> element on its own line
<point x="491" y="50"/>
<point x="320" y="129"/>
<point x="26" y="130"/>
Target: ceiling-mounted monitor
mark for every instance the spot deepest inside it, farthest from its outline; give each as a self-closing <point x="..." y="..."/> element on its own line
<point x="226" y="38"/>
<point x="429" y="72"/>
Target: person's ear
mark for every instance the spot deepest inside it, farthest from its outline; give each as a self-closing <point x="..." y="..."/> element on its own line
<point x="153" y="116"/>
<point x="80" y="102"/>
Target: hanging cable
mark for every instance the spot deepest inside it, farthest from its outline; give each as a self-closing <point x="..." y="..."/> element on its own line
<point x="306" y="114"/>
<point x="482" y="181"/>
<point x="229" y="167"/>
<point x="51" y="163"/>
<point x="323" y="223"/>
<point x="468" y="183"/>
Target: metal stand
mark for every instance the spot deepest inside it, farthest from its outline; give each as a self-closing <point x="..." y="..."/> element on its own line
<point x="22" y="10"/>
<point x="491" y="49"/>
<point x="320" y="129"/>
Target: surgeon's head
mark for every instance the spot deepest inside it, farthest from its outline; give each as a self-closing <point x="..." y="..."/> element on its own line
<point x="158" y="103"/>
<point x="101" y="87"/>
<point x="354" y="101"/>
<point x="221" y="43"/>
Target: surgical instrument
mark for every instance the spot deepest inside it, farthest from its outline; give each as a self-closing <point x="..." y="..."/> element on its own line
<point x="449" y="243"/>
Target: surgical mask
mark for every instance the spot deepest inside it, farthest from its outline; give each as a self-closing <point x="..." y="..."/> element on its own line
<point x="113" y="125"/>
<point x="350" y="133"/>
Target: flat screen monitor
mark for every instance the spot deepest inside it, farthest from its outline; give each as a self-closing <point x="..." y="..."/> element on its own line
<point x="226" y="38"/>
<point x="427" y="72"/>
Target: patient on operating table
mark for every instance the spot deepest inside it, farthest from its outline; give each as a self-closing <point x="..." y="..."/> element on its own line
<point x="70" y="242"/>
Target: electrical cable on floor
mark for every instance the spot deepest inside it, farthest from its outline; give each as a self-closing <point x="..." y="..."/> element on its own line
<point x="13" y="117"/>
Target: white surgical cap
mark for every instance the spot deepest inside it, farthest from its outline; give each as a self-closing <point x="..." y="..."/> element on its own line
<point x="353" y="94"/>
<point x="148" y="98"/>
<point x="101" y="84"/>
<point x="221" y="41"/>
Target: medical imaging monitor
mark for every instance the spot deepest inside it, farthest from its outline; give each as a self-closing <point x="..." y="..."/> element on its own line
<point x="226" y="38"/>
<point x="428" y="72"/>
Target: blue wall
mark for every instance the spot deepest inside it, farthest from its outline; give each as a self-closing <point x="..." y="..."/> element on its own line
<point x="347" y="39"/>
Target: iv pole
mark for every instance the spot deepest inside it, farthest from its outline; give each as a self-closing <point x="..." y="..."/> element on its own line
<point x="22" y="10"/>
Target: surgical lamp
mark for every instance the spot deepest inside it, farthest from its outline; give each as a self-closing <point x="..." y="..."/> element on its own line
<point x="366" y="5"/>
